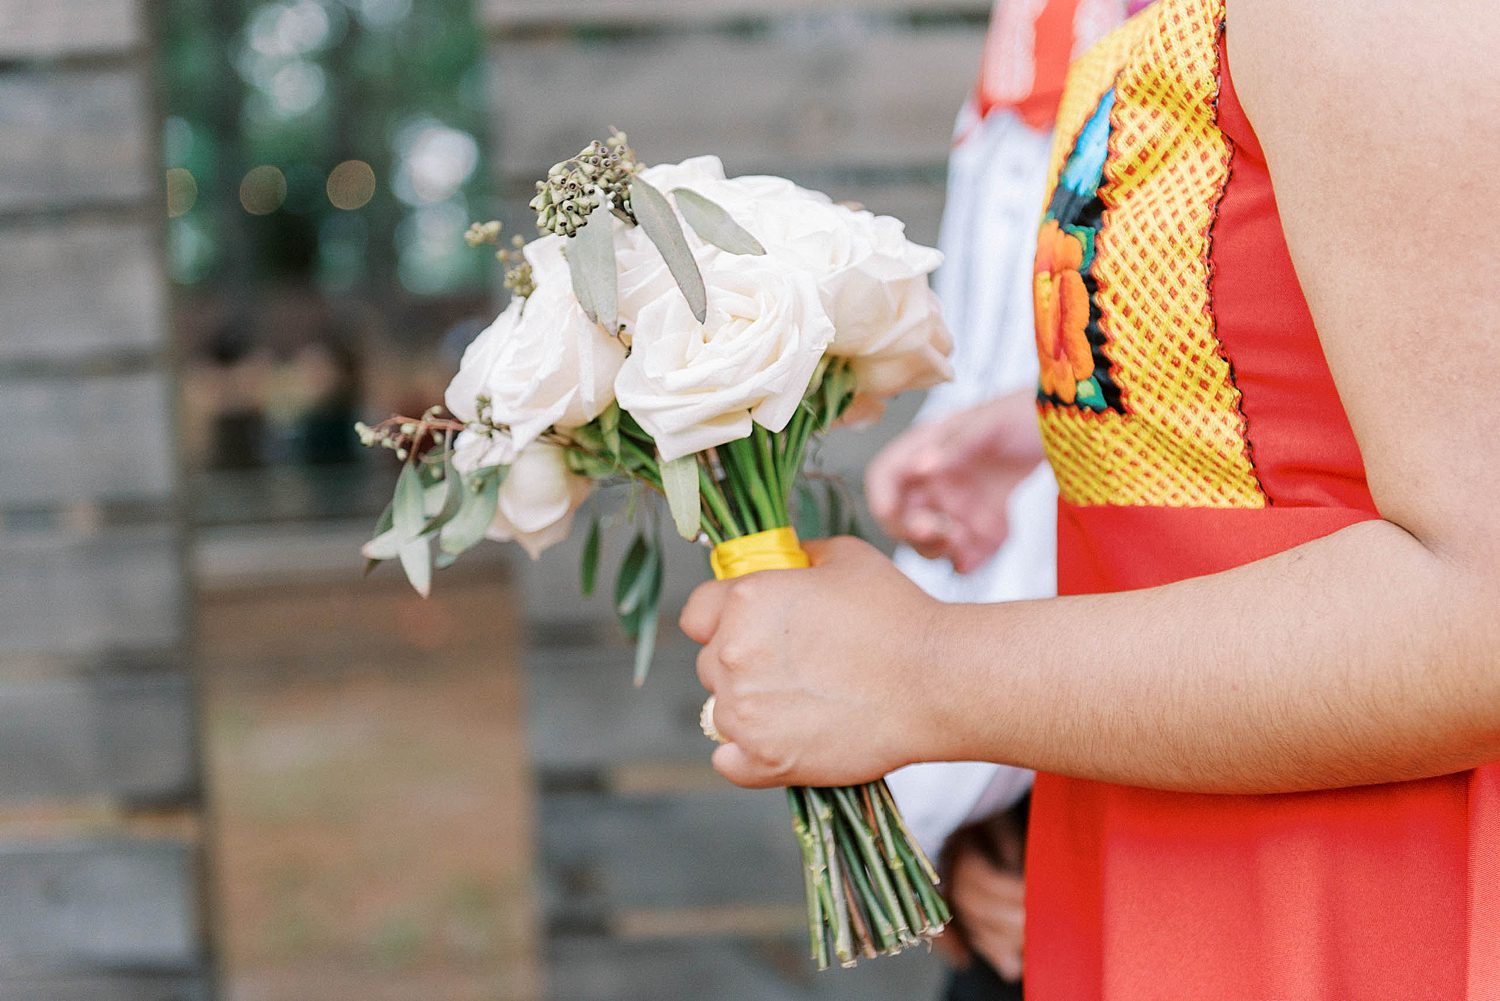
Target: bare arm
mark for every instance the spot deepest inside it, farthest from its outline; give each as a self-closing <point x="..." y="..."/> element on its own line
<point x="1370" y="656"/>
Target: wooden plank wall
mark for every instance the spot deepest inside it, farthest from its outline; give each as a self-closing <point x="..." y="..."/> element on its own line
<point x="100" y="870"/>
<point x="658" y="880"/>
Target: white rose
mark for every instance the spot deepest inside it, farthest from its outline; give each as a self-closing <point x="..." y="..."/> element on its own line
<point x="691" y="173"/>
<point x="542" y="364"/>
<point x="694" y="386"/>
<point x="872" y="278"/>
<point x="538" y="498"/>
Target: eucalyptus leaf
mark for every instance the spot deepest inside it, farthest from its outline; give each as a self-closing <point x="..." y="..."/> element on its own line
<point x="582" y="290"/>
<point x="592" y="263"/>
<point x="382" y="525"/>
<point x="630" y="585"/>
<point x="716" y="226"/>
<point x="416" y="560"/>
<point x="452" y="500"/>
<point x="645" y="641"/>
<point x="385" y="546"/>
<point x="588" y="571"/>
<point x="679" y="480"/>
<point x="409" y="507"/>
<point x="660" y="224"/>
<point x="443" y="561"/>
<point x="481" y="498"/>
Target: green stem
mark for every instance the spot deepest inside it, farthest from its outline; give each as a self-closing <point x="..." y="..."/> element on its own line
<point x="878" y="877"/>
<point x="769" y="470"/>
<point x="811" y="877"/>
<point x="740" y="464"/>
<point x="716" y="501"/>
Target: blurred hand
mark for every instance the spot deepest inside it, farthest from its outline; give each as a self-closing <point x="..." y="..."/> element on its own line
<point x="943" y="486"/>
<point x="818" y="674"/>
<point x="985" y="886"/>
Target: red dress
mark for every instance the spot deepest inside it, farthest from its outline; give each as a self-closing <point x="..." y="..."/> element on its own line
<point x="1194" y="426"/>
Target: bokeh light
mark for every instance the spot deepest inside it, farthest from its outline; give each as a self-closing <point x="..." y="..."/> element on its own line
<point x="351" y="185"/>
<point x="182" y="192"/>
<point x="263" y="190"/>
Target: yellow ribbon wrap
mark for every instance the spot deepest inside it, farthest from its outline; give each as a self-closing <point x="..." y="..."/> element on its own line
<point x="777" y="549"/>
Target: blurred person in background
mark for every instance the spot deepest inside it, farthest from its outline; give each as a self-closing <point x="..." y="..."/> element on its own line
<point x="972" y="815"/>
<point x="1264" y="713"/>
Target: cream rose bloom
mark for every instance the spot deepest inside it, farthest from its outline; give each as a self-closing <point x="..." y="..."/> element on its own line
<point x="694" y="386"/>
<point x="542" y="364"/>
<point x="872" y="278"/>
<point x="538" y="498"/>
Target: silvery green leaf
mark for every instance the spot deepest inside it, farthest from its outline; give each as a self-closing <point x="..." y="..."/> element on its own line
<point x="592" y="263"/>
<point x="679" y="481"/>
<point x="416" y="560"/>
<point x="408" y="509"/>
<point x="645" y="640"/>
<point x="656" y="217"/>
<point x="450" y="493"/>
<point x="716" y="226"/>
<point x="588" y="571"/>
<point x="382" y="526"/>
<point x="632" y="583"/>
<point x="582" y="290"/>
<point x="481" y="498"/>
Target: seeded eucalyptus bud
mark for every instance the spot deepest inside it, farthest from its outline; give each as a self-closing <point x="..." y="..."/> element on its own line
<point x="598" y="174"/>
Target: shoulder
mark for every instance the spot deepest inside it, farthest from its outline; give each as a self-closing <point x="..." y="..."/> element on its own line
<point x="1404" y="68"/>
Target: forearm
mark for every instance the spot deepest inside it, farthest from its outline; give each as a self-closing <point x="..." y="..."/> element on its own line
<point x="1359" y="658"/>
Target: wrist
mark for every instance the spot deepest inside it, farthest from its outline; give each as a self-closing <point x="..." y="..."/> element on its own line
<point x="927" y="693"/>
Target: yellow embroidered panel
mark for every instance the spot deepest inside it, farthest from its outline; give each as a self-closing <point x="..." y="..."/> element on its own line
<point x="1137" y="402"/>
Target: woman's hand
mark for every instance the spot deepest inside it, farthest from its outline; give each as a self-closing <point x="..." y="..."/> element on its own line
<point x="943" y="487"/>
<point x="985" y="884"/>
<point x="818" y="674"/>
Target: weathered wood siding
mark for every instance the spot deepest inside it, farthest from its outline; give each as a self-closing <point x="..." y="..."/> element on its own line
<point x="99" y="852"/>
<point x="654" y="874"/>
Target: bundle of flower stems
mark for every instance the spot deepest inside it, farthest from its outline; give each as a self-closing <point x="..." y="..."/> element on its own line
<point x="871" y="890"/>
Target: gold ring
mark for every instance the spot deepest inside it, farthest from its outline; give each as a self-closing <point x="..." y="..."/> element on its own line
<point x="706" y="722"/>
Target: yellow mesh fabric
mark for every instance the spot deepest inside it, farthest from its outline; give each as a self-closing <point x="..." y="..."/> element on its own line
<point x="1181" y="441"/>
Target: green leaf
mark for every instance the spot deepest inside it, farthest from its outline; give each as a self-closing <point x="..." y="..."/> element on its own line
<point x="714" y="225"/>
<point x="416" y="560"/>
<point x="609" y="430"/>
<point x="452" y="499"/>
<point x="630" y="585"/>
<point x="588" y="571"/>
<point x="679" y="481"/>
<point x="592" y="263"/>
<point x="382" y="525"/>
<point x="481" y="498"/>
<point x="409" y="506"/>
<point x="645" y="640"/>
<point x="660" y="224"/>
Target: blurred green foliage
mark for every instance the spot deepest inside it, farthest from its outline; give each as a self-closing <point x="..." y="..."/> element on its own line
<point x="302" y="86"/>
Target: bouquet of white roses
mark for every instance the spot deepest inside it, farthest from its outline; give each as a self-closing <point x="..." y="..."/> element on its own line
<point x="689" y="334"/>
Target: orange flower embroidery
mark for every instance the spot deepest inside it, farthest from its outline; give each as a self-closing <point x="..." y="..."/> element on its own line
<point x="1062" y="313"/>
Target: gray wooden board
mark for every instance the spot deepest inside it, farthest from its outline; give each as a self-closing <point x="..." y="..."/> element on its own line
<point x="503" y="15"/>
<point x="122" y="736"/>
<point x="84" y="595"/>
<point x="603" y="855"/>
<point x="591" y="969"/>
<point x="86" y="438"/>
<point x="30" y="29"/>
<point x="73" y="290"/>
<point x="105" y="987"/>
<point x="824" y="93"/>
<point x="92" y="906"/>
<point x="75" y="136"/>
<point x="586" y="715"/>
